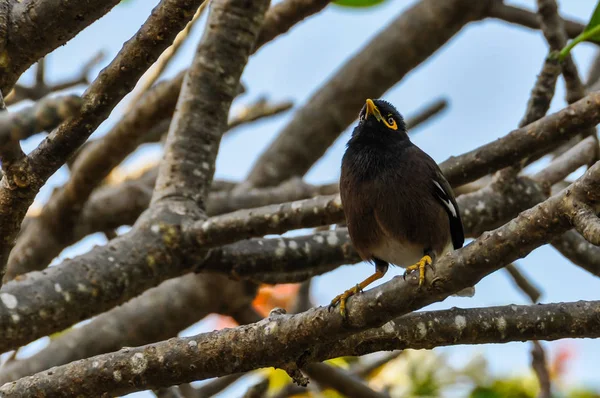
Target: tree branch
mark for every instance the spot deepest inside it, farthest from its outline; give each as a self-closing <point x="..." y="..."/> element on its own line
<point x="340" y="380"/>
<point x="44" y="115"/>
<point x="167" y="362"/>
<point x="37" y="27"/>
<point x="575" y="248"/>
<point x="41" y="89"/>
<point x="533" y="138"/>
<point x="529" y="19"/>
<point x="158" y="314"/>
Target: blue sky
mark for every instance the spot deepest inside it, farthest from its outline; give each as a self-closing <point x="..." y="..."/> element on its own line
<point x="486" y="72"/>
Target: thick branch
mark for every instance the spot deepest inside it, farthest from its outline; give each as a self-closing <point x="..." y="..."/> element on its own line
<point x="405" y="43"/>
<point x="37" y="27"/>
<point x="176" y="360"/>
<point x="158" y="314"/>
<point x="533" y="138"/>
<point x="574" y="247"/>
<point x="426" y="330"/>
<point x="529" y="19"/>
<point x="44" y="115"/>
<point x="579" y="155"/>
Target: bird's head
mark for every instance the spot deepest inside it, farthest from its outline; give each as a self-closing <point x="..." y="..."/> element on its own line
<point x="380" y="117"/>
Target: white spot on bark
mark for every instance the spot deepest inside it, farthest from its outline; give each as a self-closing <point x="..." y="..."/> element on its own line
<point x="117" y="375"/>
<point x="270" y="327"/>
<point x="111" y="259"/>
<point x="81" y="287"/>
<point x="460" y="322"/>
<point x="197" y="173"/>
<point x="319" y="239"/>
<point x="297" y="205"/>
<point x="293" y="245"/>
<point x="480" y="205"/>
<point x="275" y="218"/>
<point x="16" y="318"/>
<point x="280" y="251"/>
<point x="192" y="343"/>
<point x="389" y="327"/>
<point x="57" y="288"/>
<point x="260" y="243"/>
<point x="95" y="364"/>
<point x="501" y="325"/>
<point x="422" y="329"/>
<point x="9" y="300"/>
<point x="139" y="363"/>
<point x="338" y="201"/>
<point x="155" y="228"/>
<point x="332" y="239"/>
<point x="205" y="166"/>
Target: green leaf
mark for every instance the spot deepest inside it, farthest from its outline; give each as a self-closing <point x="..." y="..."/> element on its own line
<point x="358" y="3"/>
<point x="590" y="33"/>
<point x="594" y="22"/>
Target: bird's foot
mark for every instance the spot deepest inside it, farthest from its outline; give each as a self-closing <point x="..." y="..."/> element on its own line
<point x="341" y="298"/>
<point x="424" y="262"/>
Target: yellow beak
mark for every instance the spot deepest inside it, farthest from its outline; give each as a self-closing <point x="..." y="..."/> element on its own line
<point x="372" y="110"/>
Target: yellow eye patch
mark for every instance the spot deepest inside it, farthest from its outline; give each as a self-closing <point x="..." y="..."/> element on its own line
<point x="390" y="122"/>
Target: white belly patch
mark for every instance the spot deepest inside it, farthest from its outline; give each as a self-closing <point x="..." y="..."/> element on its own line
<point x="402" y="255"/>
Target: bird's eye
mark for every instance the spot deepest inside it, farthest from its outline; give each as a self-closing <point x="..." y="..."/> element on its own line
<point x="391" y="121"/>
<point x="361" y="117"/>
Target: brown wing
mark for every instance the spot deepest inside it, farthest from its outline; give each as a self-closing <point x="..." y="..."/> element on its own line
<point x="407" y="208"/>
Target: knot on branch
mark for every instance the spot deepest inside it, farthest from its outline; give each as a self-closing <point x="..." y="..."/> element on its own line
<point x="291" y="368"/>
<point x="586" y="222"/>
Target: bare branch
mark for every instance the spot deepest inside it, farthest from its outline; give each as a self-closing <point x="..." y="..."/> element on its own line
<point x="540" y="367"/>
<point x="41" y="89"/>
<point x="582" y="253"/>
<point x="154" y="72"/>
<point x="268" y="220"/>
<point x="533" y="138"/>
<point x="579" y="155"/>
<point x="177" y="303"/>
<point x="340" y="380"/>
<point x="211" y="388"/>
<point x="422" y="330"/>
<point x="529" y="19"/>
<point x="523" y="283"/>
<point x="46" y="114"/>
<point x="37" y="27"/>
<point x="405" y="43"/>
<point x="258" y="110"/>
<point x="426" y="113"/>
<point x="474" y="326"/>
<point x="587" y="223"/>
<point x="281" y="17"/>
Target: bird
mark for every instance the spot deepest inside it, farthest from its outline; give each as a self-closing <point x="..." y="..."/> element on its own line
<point x="399" y="207"/>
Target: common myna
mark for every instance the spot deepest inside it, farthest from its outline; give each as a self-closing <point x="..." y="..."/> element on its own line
<point x="399" y="207"/>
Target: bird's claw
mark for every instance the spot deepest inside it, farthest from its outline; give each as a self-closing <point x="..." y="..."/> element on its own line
<point x="342" y="298"/>
<point x="420" y="266"/>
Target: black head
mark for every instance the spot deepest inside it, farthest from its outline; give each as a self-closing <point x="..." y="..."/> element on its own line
<point x="380" y="118"/>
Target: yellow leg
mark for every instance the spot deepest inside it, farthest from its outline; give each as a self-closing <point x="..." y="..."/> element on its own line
<point x="424" y="262"/>
<point x="351" y="292"/>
